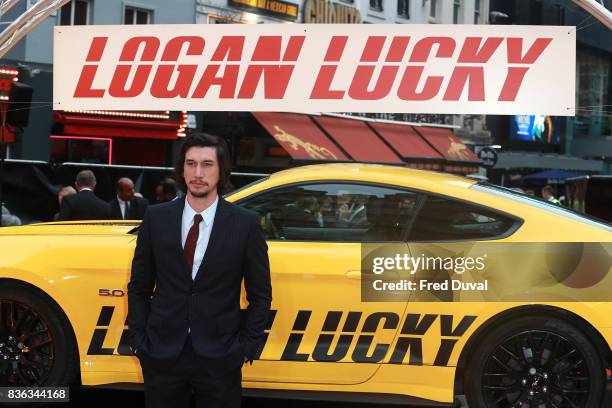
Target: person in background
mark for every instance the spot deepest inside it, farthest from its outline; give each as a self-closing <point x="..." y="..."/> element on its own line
<point x="8" y="219"/>
<point x="167" y="190"/>
<point x="63" y="192"/>
<point x="126" y="206"/>
<point x="84" y="205"/>
<point x="548" y="195"/>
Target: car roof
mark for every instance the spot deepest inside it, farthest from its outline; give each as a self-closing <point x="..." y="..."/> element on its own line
<point x="382" y="173"/>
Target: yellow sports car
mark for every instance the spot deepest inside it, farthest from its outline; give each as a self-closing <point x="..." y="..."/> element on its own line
<point x="513" y="311"/>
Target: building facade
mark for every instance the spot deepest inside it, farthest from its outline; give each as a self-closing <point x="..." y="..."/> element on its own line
<point x="115" y="138"/>
<point x="582" y="142"/>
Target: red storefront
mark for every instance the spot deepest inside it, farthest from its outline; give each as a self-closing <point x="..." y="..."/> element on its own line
<point x="107" y="137"/>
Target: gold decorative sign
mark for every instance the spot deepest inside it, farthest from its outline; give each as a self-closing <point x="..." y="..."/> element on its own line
<point x="314" y="151"/>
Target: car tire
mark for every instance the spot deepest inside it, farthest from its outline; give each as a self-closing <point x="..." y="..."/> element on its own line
<point x="45" y="343"/>
<point x="535" y="361"/>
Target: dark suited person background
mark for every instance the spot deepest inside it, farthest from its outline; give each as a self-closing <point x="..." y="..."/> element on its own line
<point x="126" y="206"/>
<point x="191" y="256"/>
<point x="84" y="205"/>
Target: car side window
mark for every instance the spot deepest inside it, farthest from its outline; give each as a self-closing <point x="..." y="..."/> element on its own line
<point x="442" y="219"/>
<point x="334" y="212"/>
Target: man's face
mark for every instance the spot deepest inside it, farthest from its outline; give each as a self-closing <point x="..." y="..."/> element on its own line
<point x="201" y="171"/>
<point x="126" y="192"/>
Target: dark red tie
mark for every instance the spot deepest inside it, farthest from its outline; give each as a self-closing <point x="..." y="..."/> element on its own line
<point x="191" y="241"/>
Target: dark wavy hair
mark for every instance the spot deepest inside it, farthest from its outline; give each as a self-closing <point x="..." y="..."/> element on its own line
<point x="223" y="158"/>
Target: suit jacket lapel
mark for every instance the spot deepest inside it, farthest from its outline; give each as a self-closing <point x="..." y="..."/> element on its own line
<point x="176" y="223"/>
<point x="217" y="236"/>
<point x="114" y="207"/>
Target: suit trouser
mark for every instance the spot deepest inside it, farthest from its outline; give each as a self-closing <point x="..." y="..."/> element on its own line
<point x="173" y="388"/>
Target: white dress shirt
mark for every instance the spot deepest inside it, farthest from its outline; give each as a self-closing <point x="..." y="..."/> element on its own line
<point x="208" y="216"/>
<point x="121" y="207"/>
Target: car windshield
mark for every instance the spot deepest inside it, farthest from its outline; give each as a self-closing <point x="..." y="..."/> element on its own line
<point x="541" y="204"/>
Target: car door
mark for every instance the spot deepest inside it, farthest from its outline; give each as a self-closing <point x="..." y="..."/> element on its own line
<point x="320" y="331"/>
<point x="449" y="228"/>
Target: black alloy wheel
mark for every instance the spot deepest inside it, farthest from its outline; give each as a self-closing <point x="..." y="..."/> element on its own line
<point x="37" y="346"/>
<point x="535" y="362"/>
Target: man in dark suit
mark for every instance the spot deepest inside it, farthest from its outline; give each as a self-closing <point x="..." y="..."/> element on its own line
<point x="191" y="256"/>
<point x="126" y="206"/>
<point x="84" y="205"/>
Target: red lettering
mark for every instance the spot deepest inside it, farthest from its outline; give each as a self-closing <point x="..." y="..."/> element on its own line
<point x="512" y="84"/>
<point x="84" y="88"/>
<point x="321" y="88"/>
<point x="363" y="77"/>
<point x="373" y="48"/>
<point x="459" y="78"/>
<point x="422" y="49"/>
<point x="515" y="50"/>
<point x="186" y="72"/>
<point x="397" y="50"/>
<point x="118" y="86"/>
<point x="472" y="52"/>
<point x="407" y="89"/>
<point x="230" y="48"/>
<point x="335" y="48"/>
<point x="227" y="82"/>
<point x="268" y="48"/>
<point x="172" y="50"/>
<point x="131" y="47"/>
<point x="276" y="80"/>
<point x="163" y="76"/>
<point x="96" y="49"/>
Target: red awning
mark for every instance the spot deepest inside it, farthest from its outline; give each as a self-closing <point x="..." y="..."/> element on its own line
<point x="299" y="136"/>
<point x="449" y="145"/>
<point x="405" y="140"/>
<point x="91" y="125"/>
<point x="357" y="139"/>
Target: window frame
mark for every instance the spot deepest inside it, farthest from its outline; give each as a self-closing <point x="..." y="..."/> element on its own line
<point x="457" y="5"/>
<point x="477" y="6"/>
<point x="72" y="10"/>
<point x="380" y="7"/>
<point x="136" y="8"/>
<point x="421" y="200"/>
<point x="406" y="15"/>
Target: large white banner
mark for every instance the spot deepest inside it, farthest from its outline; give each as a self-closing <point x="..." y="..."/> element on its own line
<point x="317" y="68"/>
